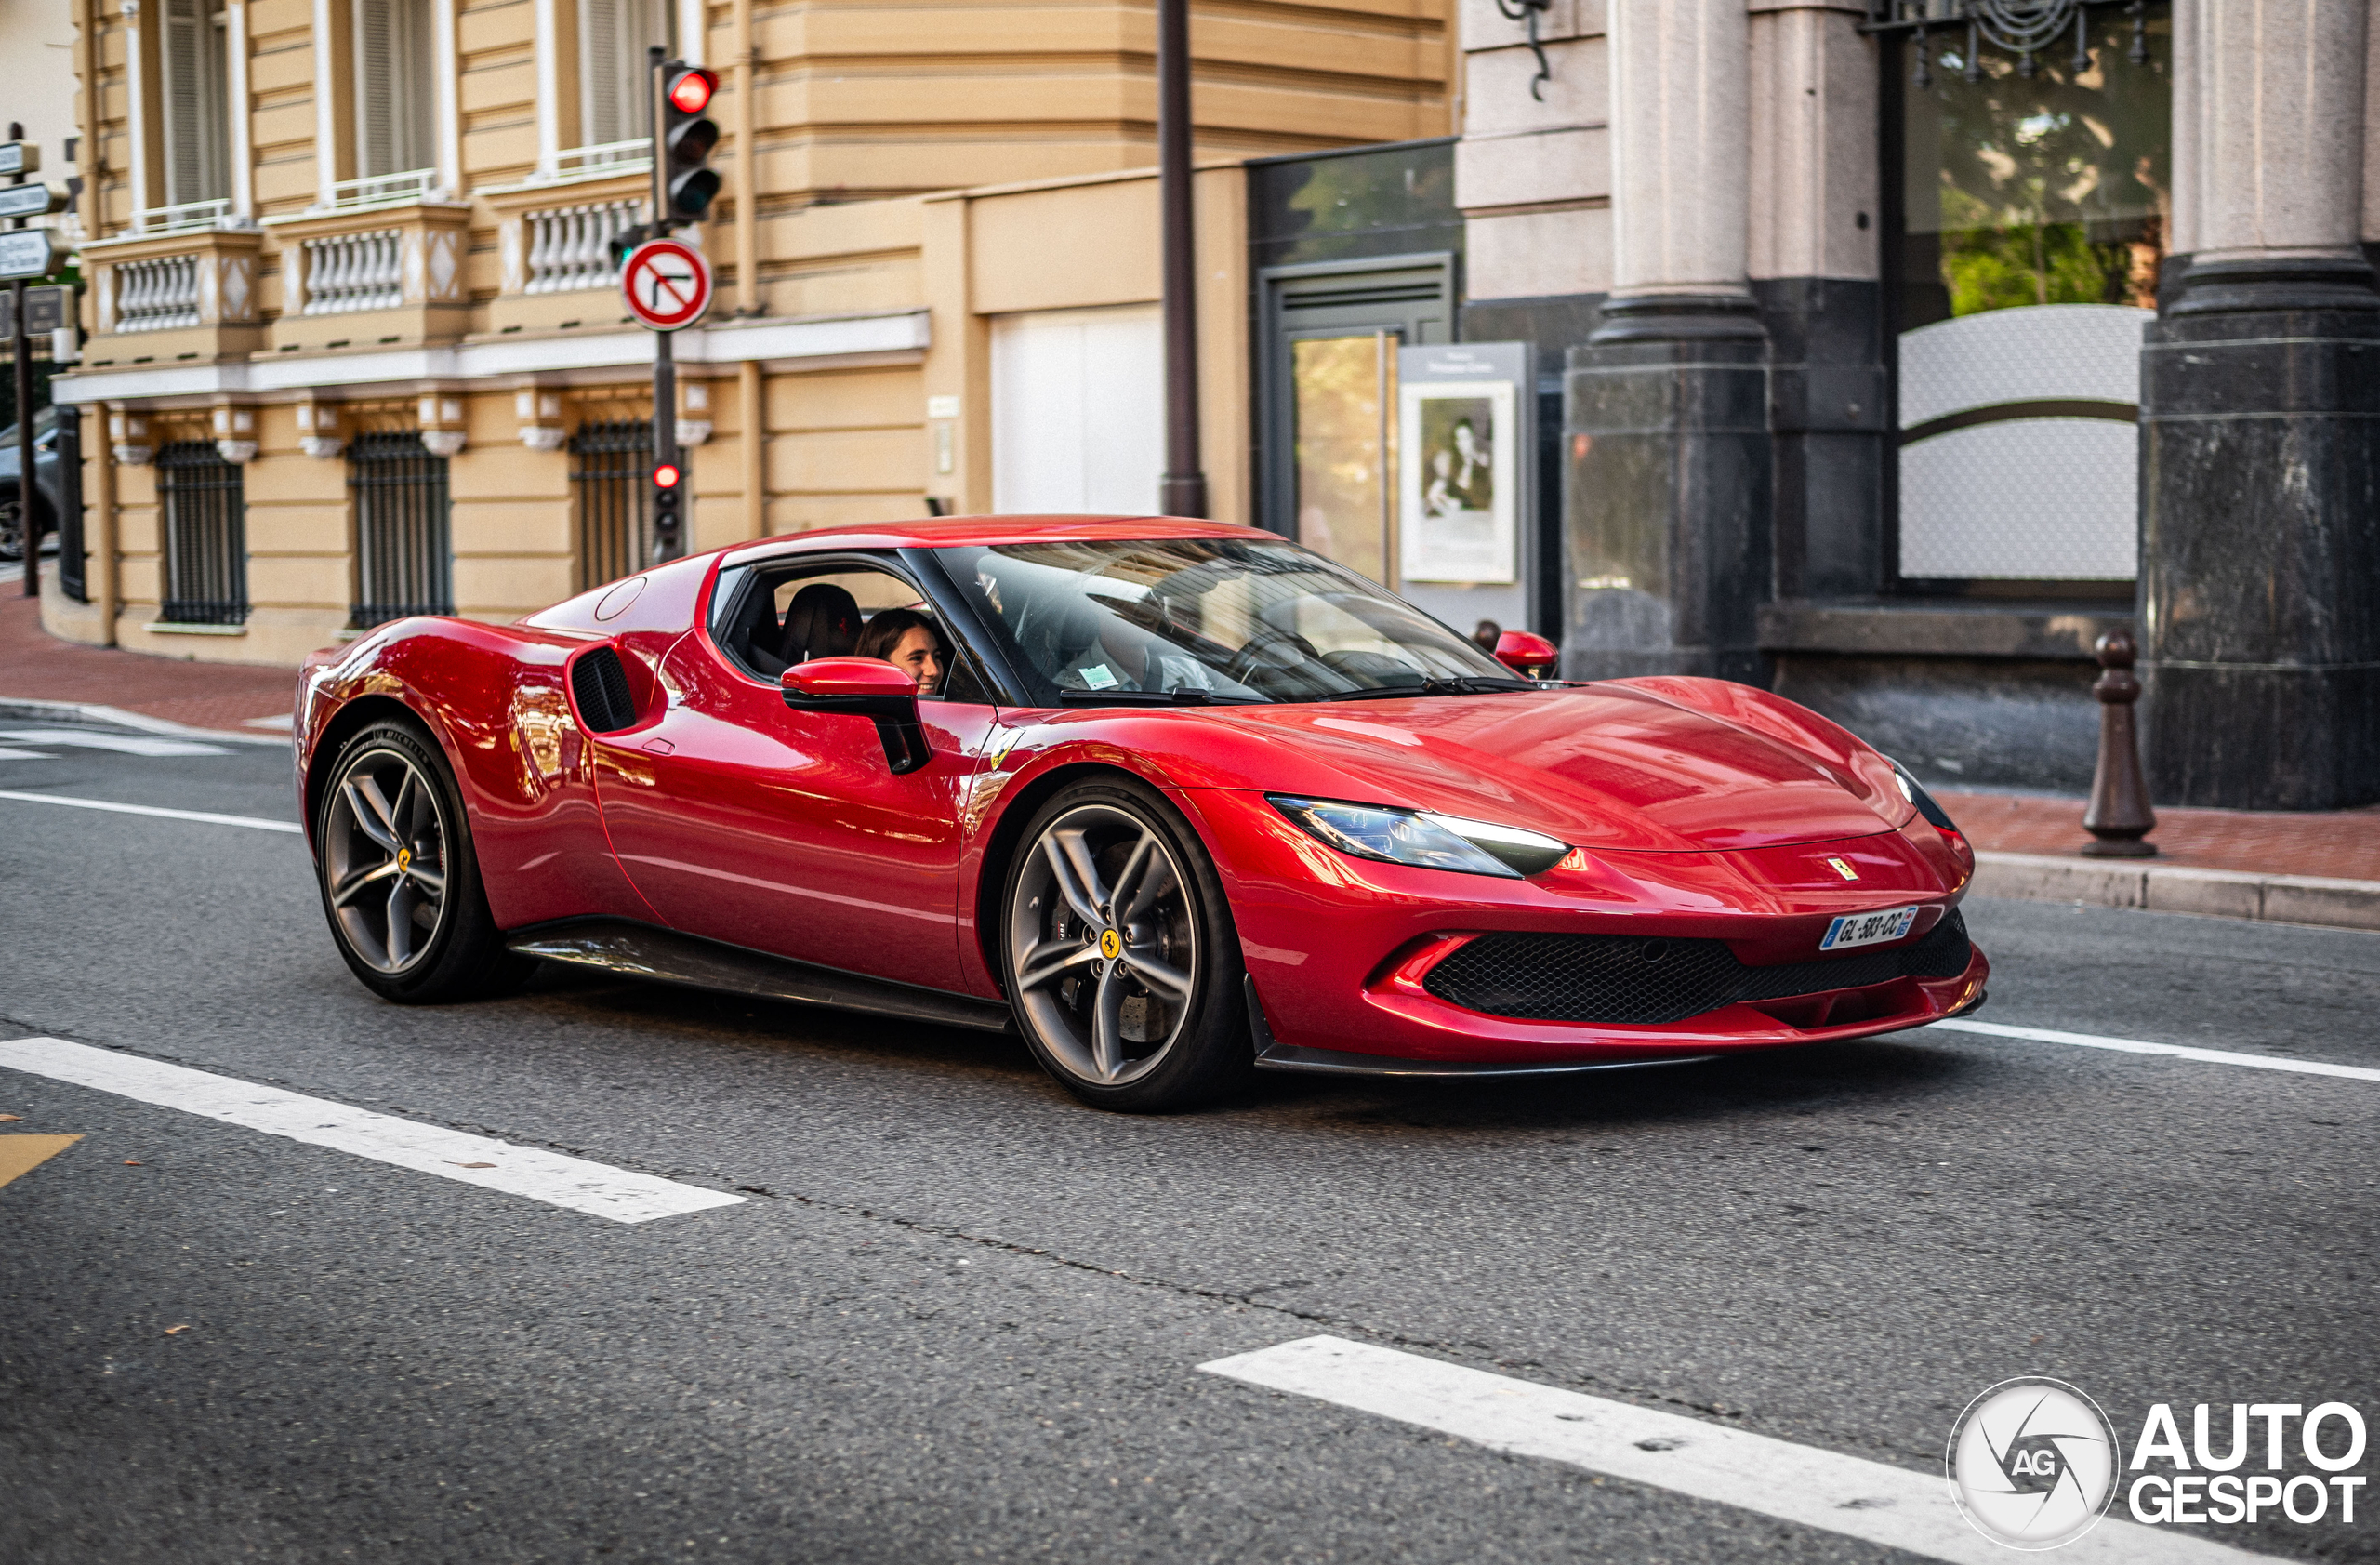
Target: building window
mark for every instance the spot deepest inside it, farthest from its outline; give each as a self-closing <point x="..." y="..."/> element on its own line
<point x="395" y="103"/>
<point x="613" y="75"/>
<point x="403" y="556"/>
<point x="197" y="120"/>
<point x="2033" y="213"/>
<point x="613" y="491"/>
<point x="206" y="549"/>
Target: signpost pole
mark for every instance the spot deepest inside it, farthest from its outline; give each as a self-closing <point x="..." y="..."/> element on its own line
<point x="24" y="367"/>
<point x="668" y="539"/>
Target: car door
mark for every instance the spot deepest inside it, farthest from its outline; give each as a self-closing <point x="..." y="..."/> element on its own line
<point x="788" y="833"/>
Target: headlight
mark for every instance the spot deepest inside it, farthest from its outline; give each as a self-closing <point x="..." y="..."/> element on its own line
<point x="1422" y="838"/>
<point x="1914" y="791"/>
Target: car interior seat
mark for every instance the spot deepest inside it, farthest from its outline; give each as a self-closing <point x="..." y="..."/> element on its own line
<point x="754" y="635"/>
<point x="822" y="621"/>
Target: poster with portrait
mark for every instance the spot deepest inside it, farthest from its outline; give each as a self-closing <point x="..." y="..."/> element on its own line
<point x="1459" y="499"/>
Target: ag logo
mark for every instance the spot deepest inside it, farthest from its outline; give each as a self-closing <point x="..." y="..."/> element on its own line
<point x="2033" y="1463"/>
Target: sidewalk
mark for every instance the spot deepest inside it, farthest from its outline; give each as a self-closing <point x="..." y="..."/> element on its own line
<point x="2317" y="869"/>
<point x="2291" y="868"/>
<point x="37" y="666"/>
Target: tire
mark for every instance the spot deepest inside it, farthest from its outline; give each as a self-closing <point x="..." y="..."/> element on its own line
<point x="1090" y="986"/>
<point x="392" y="818"/>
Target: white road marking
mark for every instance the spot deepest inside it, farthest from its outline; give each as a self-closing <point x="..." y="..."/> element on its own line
<point x="205" y="817"/>
<point x="616" y="1193"/>
<point x="10" y="753"/>
<point x="123" y="744"/>
<point x="1850" y="1496"/>
<point x="2177" y="1051"/>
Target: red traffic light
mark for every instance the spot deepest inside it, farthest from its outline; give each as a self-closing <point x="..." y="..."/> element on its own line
<point x="666" y="476"/>
<point x="691" y="93"/>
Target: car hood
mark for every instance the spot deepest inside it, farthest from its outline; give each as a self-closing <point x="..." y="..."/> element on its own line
<point x="1603" y="767"/>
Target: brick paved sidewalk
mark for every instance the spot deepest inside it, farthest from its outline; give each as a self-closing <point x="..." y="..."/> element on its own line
<point x="38" y="666"/>
<point x="2343" y="844"/>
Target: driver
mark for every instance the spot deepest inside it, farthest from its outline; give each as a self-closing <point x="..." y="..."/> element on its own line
<point x="906" y="639"/>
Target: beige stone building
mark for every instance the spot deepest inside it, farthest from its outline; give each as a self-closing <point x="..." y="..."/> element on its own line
<point x="355" y="345"/>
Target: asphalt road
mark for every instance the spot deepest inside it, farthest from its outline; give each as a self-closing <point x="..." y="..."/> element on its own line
<point x="960" y="1316"/>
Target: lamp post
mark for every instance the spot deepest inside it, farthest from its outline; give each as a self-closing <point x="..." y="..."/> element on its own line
<point x="1183" y="490"/>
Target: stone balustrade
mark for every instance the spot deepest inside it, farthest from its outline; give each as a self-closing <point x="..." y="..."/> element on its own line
<point x="158" y="294"/>
<point x="570" y="248"/>
<point x="358" y="271"/>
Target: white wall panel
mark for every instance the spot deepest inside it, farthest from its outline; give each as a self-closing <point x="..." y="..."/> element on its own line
<point x="1078" y="411"/>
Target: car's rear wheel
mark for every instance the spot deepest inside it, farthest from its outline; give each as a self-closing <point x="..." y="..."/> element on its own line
<point x="400" y="882"/>
<point x="1119" y="954"/>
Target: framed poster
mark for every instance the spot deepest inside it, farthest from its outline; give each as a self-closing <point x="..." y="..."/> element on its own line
<point x="1460" y="450"/>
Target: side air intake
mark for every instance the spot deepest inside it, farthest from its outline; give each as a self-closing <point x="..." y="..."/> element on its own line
<point x="602" y="686"/>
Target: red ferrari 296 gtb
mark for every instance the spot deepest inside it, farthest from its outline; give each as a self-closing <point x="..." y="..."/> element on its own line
<point x="1173" y="800"/>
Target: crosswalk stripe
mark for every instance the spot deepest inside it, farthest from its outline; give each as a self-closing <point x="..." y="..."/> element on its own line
<point x="1847" y="1495"/>
<point x="2176" y="1050"/>
<point x="203" y="816"/>
<point x="617" y="1193"/>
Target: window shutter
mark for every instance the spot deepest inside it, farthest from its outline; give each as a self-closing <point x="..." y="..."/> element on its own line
<point x="197" y="149"/>
<point x="376" y="87"/>
<point x="602" y="47"/>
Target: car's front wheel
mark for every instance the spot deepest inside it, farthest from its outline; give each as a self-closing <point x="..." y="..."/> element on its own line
<point x="1119" y="954"/>
<point x="399" y="878"/>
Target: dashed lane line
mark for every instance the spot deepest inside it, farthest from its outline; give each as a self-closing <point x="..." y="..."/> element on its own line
<point x="2176" y="1050"/>
<point x="203" y="816"/>
<point x="1850" y="1496"/>
<point x="122" y="744"/>
<point x="619" y="1194"/>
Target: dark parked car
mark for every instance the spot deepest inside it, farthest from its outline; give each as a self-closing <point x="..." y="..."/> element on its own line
<point x="48" y="500"/>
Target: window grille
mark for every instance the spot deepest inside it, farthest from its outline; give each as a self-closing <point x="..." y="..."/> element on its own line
<point x="403" y="558"/>
<point x="206" y="549"/>
<point x="610" y="480"/>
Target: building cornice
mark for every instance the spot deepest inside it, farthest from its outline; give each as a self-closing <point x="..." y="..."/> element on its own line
<point x="789" y="342"/>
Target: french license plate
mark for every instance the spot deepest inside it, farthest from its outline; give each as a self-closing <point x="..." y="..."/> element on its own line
<point x="1868" y="929"/>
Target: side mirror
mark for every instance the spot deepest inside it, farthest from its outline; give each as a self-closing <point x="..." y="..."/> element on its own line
<point x="1530" y="656"/>
<point x="866" y="687"/>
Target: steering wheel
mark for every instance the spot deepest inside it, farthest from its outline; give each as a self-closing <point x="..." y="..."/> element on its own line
<point x="1266" y="648"/>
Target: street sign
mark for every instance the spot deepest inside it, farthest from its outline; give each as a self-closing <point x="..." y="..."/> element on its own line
<point x="50" y="308"/>
<point x="30" y="201"/>
<point x="667" y="284"/>
<point x="19" y="157"/>
<point x="31" y="252"/>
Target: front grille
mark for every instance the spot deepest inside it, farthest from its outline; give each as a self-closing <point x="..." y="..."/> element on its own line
<point x="1634" y="978"/>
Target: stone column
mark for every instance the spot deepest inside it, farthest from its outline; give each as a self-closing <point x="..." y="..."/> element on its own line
<point x="1667" y="533"/>
<point x="2260" y="406"/>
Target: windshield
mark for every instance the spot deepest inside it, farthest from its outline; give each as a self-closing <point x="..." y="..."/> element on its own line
<point x="1207" y="619"/>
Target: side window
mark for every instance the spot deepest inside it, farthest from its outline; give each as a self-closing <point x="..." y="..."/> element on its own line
<point x="766" y="618"/>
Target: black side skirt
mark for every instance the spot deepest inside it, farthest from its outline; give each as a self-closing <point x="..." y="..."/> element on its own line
<point x="643" y="950"/>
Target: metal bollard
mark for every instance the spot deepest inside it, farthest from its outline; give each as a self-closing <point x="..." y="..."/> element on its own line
<point x="2119" y="815"/>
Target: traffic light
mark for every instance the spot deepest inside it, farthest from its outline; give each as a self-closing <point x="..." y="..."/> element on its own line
<point x="687" y="137"/>
<point x="668" y="492"/>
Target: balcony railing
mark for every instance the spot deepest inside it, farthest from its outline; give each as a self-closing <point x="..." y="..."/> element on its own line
<point x="182" y="217"/>
<point x="610" y="157"/>
<point x="570" y="247"/>
<point x="347" y="272"/>
<point x="382" y="190"/>
<point x="158" y="294"/>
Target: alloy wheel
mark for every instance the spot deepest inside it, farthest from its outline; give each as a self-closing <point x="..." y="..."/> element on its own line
<point x="1104" y="946"/>
<point x="384" y="859"/>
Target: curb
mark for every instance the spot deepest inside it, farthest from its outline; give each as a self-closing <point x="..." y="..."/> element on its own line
<point x="2224" y="893"/>
<point x="86" y="714"/>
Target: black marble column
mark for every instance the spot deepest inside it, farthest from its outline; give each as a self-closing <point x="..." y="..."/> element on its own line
<point x="1666" y="556"/>
<point x="2260" y="537"/>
